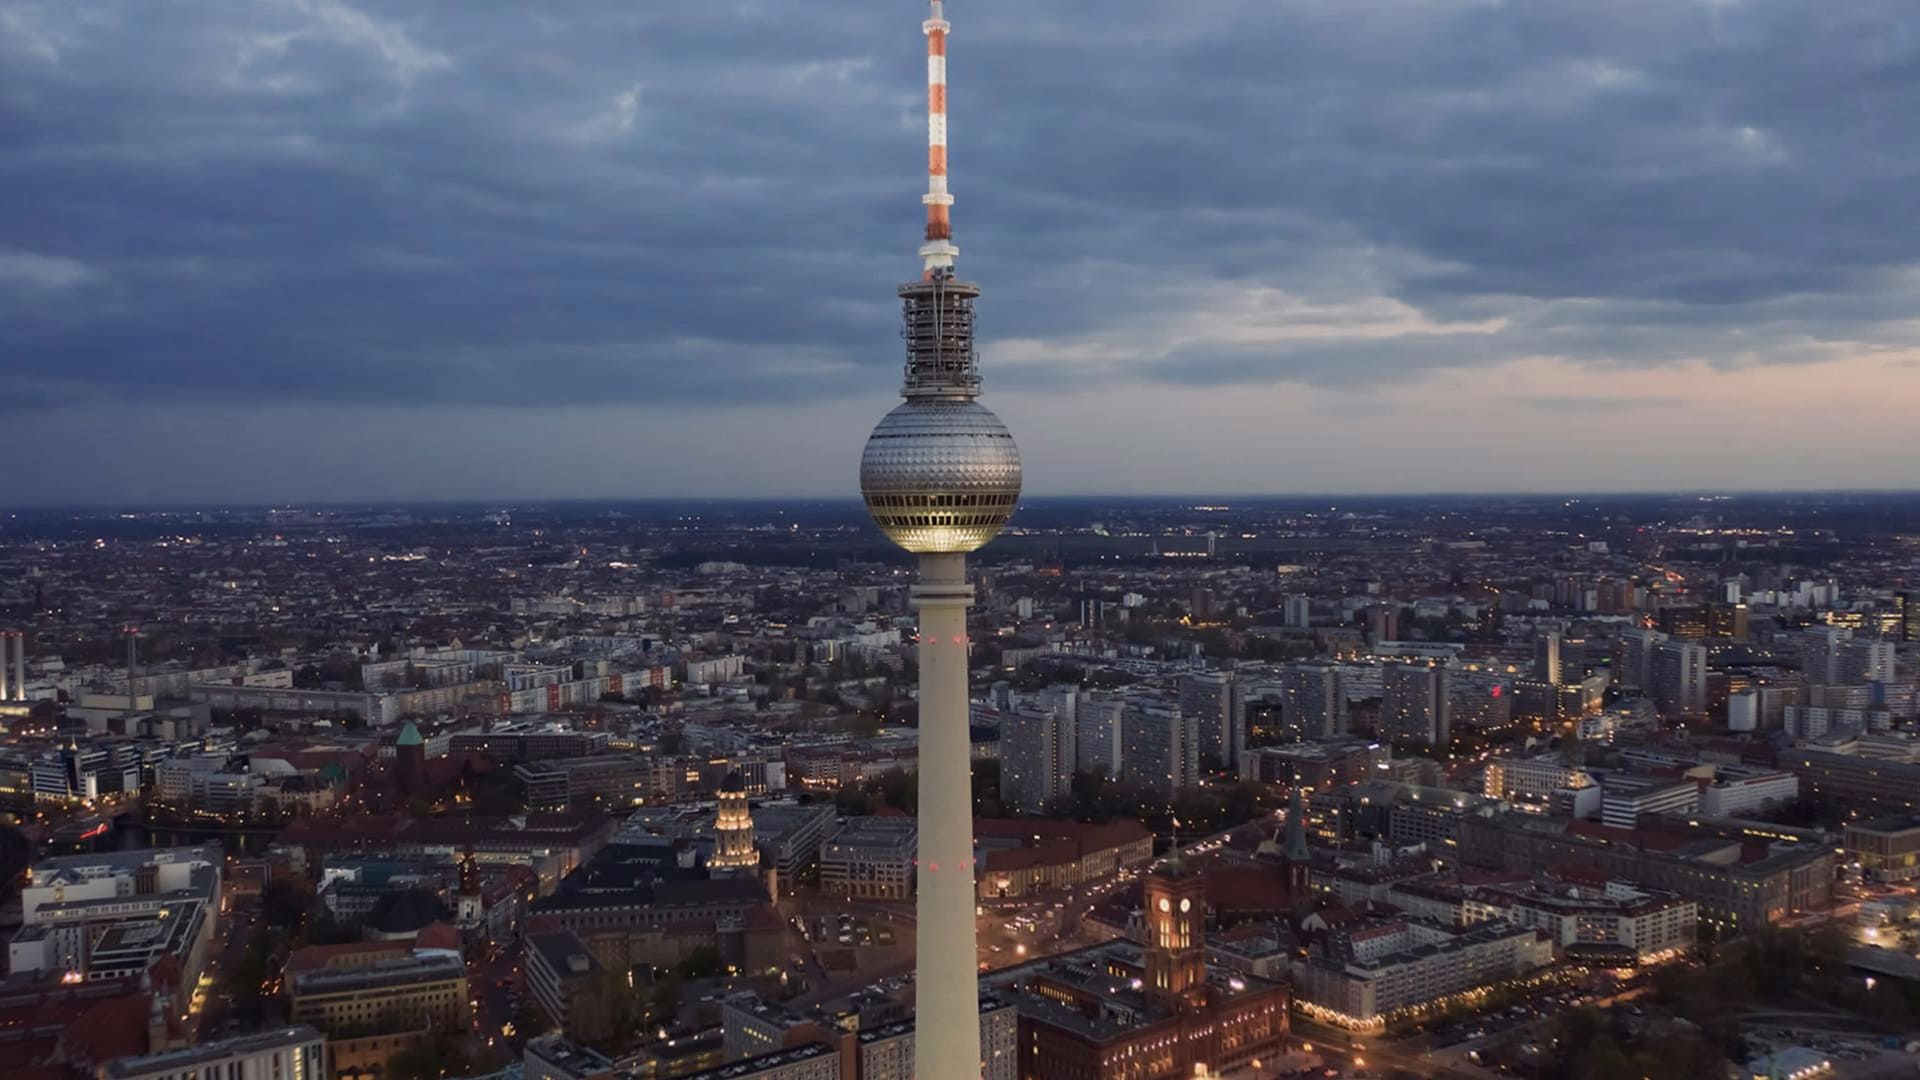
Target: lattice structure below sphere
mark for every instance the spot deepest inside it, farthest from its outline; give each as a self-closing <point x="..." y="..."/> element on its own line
<point x="940" y="475"/>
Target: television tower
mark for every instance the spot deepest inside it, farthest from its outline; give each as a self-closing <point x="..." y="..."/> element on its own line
<point x="941" y="476"/>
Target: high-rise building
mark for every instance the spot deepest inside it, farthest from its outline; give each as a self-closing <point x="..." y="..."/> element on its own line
<point x="1680" y="678"/>
<point x="1316" y="698"/>
<point x="1683" y="621"/>
<point x="1535" y="702"/>
<point x="1209" y="697"/>
<point x="1161" y="750"/>
<point x="1635" y="663"/>
<point x="1481" y="702"/>
<point x="1092" y="611"/>
<point x="1383" y="623"/>
<point x="1907" y="606"/>
<point x="1265" y="717"/>
<point x="1001" y="694"/>
<point x="1546" y="657"/>
<point x="1036" y="758"/>
<point x="1864" y="661"/>
<point x="1821" y="654"/>
<point x="941" y="476"/>
<point x="1202" y="604"/>
<point x="1063" y="701"/>
<point x="1731" y="620"/>
<point x="1296" y="611"/>
<point x="1100" y="734"/>
<point x="1415" y="703"/>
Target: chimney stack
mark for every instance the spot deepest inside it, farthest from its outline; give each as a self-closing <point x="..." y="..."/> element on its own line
<point x="133" y="646"/>
<point x="19" y="665"/>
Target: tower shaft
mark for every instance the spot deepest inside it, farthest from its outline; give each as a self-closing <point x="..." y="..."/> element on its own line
<point x="947" y="1034"/>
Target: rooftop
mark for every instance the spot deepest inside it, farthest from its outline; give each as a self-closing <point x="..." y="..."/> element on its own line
<point x="174" y="1060"/>
<point x="754" y="1066"/>
<point x="563" y="953"/>
<point x="379" y="975"/>
<point x="1106" y="978"/>
<point x="104" y="862"/>
<point x="1892" y="824"/>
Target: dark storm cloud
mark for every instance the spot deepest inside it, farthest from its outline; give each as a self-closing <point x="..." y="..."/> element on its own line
<point x="682" y="203"/>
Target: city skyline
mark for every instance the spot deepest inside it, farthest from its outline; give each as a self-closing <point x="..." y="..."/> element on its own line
<point x="322" y="251"/>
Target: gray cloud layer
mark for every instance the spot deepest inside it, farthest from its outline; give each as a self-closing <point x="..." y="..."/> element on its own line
<point x="678" y="203"/>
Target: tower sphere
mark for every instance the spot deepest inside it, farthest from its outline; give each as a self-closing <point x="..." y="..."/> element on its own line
<point x="940" y="475"/>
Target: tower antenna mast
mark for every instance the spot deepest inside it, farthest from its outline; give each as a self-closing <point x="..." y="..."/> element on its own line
<point x="938" y="252"/>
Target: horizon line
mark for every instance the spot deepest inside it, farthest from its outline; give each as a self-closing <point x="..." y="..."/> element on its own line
<point x="508" y="503"/>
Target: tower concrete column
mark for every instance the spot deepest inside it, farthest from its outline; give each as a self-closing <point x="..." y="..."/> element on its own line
<point x="947" y="1003"/>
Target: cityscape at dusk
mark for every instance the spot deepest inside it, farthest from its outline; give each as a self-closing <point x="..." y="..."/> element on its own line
<point x="1394" y="554"/>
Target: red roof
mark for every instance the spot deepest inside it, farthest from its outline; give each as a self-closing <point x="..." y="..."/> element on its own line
<point x="1089" y="837"/>
<point x="353" y="954"/>
<point x="763" y="917"/>
<point x="114" y="1027"/>
<point x="388" y="829"/>
<point x="345" y="954"/>
<point x="1248" y="889"/>
<point x="1579" y="874"/>
<point x="1469" y="875"/>
<point x="510" y="880"/>
<point x="83" y="1031"/>
<point x="1046" y="843"/>
<point x="164" y="972"/>
<point x="1650" y="839"/>
<point x="1336" y="915"/>
<point x="21" y="1057"/>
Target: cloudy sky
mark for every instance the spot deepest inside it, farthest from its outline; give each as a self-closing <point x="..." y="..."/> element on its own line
<point x="340" y="249"/>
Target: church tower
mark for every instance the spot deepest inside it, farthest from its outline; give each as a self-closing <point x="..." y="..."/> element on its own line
<point x="1296" y="859"/>
<point x="471" y="909"/>
<point x="733" y="829"/>
<point x="410" y="761"/>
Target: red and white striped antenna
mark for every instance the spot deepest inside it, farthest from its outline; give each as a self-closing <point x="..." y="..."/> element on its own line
<point x="938" y="252"/>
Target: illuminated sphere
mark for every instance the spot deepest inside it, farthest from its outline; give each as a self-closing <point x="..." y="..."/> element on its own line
<point x="940" y="475"/>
